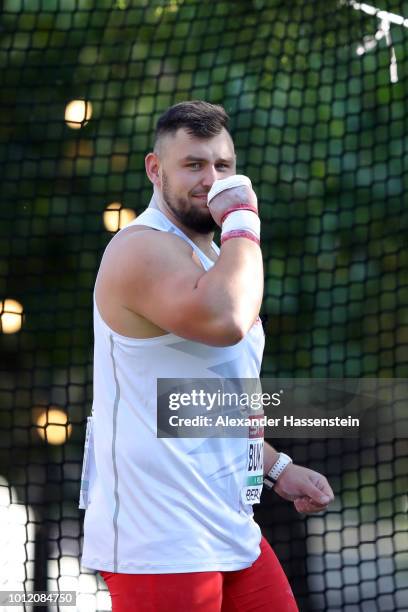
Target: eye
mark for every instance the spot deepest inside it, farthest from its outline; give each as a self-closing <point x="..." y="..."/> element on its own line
<point x="194" y="165"/>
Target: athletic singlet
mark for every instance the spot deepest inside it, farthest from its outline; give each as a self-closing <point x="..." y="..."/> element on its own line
<point x="164" y="505"/>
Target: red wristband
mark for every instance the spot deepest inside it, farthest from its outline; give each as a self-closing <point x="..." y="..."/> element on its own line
<point x="239" y="206"/>
<point x="240" y="234"/>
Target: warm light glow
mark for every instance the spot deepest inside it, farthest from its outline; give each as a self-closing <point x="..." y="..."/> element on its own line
<point x="78" y="113"/>
<point x="115" y="217"/>
<point x="52" y="426"/>
<point x="11" y="316"/>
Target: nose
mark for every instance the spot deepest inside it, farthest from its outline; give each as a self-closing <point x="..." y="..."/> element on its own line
<point x="211" y="174"/>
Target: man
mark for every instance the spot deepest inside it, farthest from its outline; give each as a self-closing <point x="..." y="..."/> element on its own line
<point x="169" y="521"/>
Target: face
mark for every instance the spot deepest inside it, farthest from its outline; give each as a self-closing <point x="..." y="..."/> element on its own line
<point x="187" y="168"/>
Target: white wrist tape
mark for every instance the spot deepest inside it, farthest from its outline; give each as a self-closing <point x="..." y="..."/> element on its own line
<point x="272" y="476"/>
<point x="244" y="220"/>
<point x="238" y="180"/>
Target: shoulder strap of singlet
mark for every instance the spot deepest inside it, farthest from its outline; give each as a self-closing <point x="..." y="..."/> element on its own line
<point x="154" y="218"/>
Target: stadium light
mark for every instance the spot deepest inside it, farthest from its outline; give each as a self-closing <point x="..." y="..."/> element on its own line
<point x="115" y="217"/>
<point x="52" y="426"/>
<point x="78" y="113"/>
<point x="11" y="316"/>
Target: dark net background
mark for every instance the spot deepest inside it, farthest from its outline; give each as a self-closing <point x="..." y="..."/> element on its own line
<point x="322" y="131"/>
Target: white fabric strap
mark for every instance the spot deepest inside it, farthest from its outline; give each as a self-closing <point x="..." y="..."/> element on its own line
<point x="278" y="467"/>
<point x="244" y="220"/>
<point x="238" y="180"/>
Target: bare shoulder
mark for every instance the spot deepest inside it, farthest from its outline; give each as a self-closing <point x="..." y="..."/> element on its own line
<point x="144" y="251"/>
<point x="142" y="258"/>
<point x="141" y="267"/>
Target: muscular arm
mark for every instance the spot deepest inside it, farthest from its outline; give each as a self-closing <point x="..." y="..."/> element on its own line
<point x="155" y="276"/>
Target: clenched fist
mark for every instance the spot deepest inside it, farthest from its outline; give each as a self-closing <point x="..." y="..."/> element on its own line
<point x="230" y="193"/>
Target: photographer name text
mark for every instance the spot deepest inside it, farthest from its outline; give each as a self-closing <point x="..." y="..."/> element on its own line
<point x="263" y="421"/>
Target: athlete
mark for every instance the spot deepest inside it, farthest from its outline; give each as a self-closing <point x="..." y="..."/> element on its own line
<point x="169" y="521"/>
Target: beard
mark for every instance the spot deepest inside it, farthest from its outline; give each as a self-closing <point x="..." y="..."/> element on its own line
<point x="199" y="221"/>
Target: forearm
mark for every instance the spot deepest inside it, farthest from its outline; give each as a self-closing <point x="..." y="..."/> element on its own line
<point x="233" y="287"/>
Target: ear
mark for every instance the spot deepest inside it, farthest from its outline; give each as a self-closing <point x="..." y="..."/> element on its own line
<point x="152" y="165"/>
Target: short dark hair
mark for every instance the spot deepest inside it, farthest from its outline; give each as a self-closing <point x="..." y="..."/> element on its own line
<point x="198" y="118"/>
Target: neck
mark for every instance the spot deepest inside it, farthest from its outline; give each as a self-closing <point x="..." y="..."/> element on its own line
<point x="203" y="241"/>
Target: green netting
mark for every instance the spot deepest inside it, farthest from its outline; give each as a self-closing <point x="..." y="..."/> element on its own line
<point x="318" y="113"/>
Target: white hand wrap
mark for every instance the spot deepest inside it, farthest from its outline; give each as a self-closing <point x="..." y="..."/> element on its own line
<point x="238" y="180"/>
<point x="242" y="220"/>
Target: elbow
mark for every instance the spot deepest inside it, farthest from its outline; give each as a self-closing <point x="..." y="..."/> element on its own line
<point x="235" y="333"/>
<point x="230" y="331"/>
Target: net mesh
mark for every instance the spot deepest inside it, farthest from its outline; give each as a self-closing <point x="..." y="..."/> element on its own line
<point x="317" y="94"/>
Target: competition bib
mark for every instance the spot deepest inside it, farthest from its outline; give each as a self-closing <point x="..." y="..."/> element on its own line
<point x="252" y="489"/>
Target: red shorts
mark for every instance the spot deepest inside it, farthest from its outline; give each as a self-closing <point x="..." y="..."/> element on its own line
<point x="263" y="587"/>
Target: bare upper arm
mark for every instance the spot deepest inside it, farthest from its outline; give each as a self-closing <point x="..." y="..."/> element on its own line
<point x="155" y="275"/>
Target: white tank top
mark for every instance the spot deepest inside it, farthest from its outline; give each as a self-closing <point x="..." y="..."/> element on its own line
<point x="163" y="505"/>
